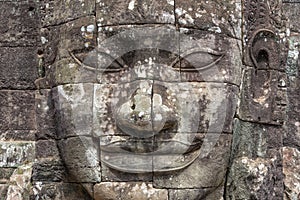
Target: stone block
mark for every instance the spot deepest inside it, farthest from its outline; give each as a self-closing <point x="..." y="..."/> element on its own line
<point x="64" y="48"/>
<point x="58" y="12"/>
<point x="207" y="171"/>
<point x="195" y="194"/>
<point x="81" y="158"/>
<point x="257" y="178"/>
<point x="74" y="111"/>
<point x="119" y="12"/>
<point x="128" y="191"/>
<point x="255" y="140"/>
<point x="111" y="175"/>
<point x="292" y="137"/>
<point x="14" y="154"/>
<point x="263" y="97"/>
<point x="78" y="36"/>
<point x="18" y="110"/>
<point x="79" y="174"/>
<point x="18" y="67"/>
<point x="214" y="16"/>
<point x="19" y="23"/>
<point x="45" y="115"/>
<point x="79" y="151"/>
<point x="18" y="135"/>
<point x="48" y="170"/>
<point x="47" y="149"/>
<point x="20" y="185"/>
<point x="290" y="170"/>
<point x="67" y="71"/>
<point x="61" y="191"/>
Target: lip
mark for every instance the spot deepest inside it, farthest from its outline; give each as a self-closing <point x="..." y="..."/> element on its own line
<point x="142" y="156"/>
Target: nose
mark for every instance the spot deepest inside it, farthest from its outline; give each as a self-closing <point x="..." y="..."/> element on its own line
<point x="146" y="112"/>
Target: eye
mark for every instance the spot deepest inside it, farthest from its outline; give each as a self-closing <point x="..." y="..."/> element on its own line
<point x="100" y="61"/>
<point x="195" y="60"/>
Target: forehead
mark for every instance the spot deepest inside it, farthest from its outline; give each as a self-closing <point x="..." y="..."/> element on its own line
<point x="216" y="16"/>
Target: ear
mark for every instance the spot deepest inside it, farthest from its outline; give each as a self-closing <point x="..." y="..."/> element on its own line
<point x="264" y="50"/>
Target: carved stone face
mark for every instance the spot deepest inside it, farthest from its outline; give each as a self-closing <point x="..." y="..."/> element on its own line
<point x="160" y="101"/>
<point x="153" y="103"/>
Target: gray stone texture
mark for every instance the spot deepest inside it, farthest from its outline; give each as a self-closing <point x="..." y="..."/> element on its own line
<point x="18" y="67"/>
<point x="59" y="191"/>
<point x="256" y="168"/>
<point x="128" y="191"/>
<point x="208" y="171"/>
<point x="55" y="101"/>
<point x="19" y="24"/>
<point x="118" y="12"/>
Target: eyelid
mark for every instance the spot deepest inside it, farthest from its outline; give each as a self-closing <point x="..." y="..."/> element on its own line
<point x="197" y="51"/>
<point x="82" y="64"/>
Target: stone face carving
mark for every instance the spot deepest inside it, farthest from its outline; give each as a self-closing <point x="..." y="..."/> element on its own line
<point x="149" y="99"/>
<point x="152" y="110"/>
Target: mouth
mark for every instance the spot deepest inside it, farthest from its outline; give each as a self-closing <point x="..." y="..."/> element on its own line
<point x="152" y="154"/>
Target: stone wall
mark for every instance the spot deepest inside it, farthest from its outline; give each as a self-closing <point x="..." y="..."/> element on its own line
<point x="41" y="46"/>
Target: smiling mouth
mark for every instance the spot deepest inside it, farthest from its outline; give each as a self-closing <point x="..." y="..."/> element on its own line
<point x="146" y="155"/>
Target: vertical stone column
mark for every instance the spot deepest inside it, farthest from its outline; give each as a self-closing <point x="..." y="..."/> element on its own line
<point x="256" y="157"/>
<point x="18" y="71"/>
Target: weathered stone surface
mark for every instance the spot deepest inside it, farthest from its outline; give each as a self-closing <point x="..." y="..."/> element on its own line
<point x="68" y="71"/>
<point x="48" y="170"/>
<point x="255" y="140"/>
<point x="264" y="34"/>
<point x="19" y="186"/>
<point x="81" y="158"/>
<point x="48" y="165"/>
<point x="67" y="45"/>
<point x="256" y="178"/>
<point x="128" y="191"/>
<point x="57" y="12"/>
<point x="59" y="191"/>
<point x="14" y="154"/>
<point x="215" y="16"/>
<point x="3" y="191"/>
<point x="79" y="151"/>
<point x="291" y="163"/>
<point x="196" y="194"/>
<point x="77" y="37"/>
<point x="17" y="110"/>
<point x="19" y="23"/>
<point x="45" y="115"/>
<point x="17" y="135"/>
<point x="263" y="96"/>
<point x="111" y="175"/>
<point x="5" y="174"/>
<point x="73" y="104"/>
<point x="256" y="169"/>
<point x="206" y="57"/>
<point x="118" y="12"/>
<point x="292" y="136"/>
<point x="208" y="171"/>
<point x="207" y="98"/>
<point x="291" y="11"/>
<point x="46" y="149"/>
<point x="18" y="67"/>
